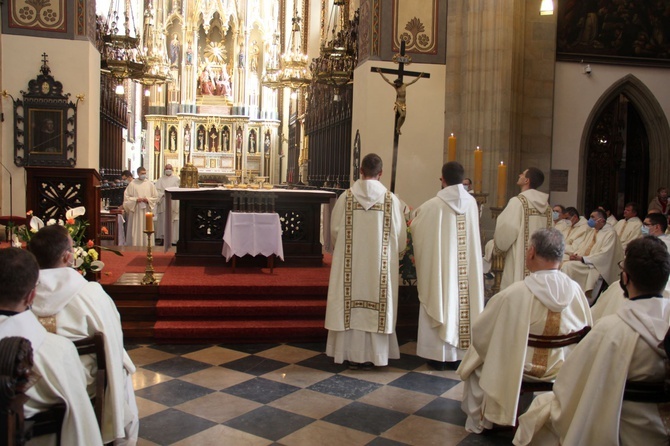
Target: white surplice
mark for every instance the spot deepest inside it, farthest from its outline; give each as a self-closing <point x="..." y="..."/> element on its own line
<point x="545" y="303"/>
<point x="136" y="212"/>
<point x="586" y="405"/>
<point x="173" y="222"/>
<point x="574" y="235"/>
<point x="447" y="254"/>
<point x="78" y="309"/>
<point x="61" y="380"/>
<point x="628" y="230"/>
<point x="368" y="232"/>
<point x="562" y="225"/>
<point x="523" y="215"/>
<point x="600" y="260"/>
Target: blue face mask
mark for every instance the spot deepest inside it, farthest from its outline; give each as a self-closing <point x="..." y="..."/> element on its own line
<point x="591" y="223"/>
<point x="645" y="230"/>
<point x="554" y="215"/>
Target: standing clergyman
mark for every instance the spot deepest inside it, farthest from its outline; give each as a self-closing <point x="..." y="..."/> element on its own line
<point x="139" y="198"/>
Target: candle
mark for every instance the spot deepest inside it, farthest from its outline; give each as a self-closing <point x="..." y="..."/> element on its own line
<point x="478" y="169"/>
<point x="150" y="222"/>
<point x="451" y="154"/>
<point x="502" y="185"/>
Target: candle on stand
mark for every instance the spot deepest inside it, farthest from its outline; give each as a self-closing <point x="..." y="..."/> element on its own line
<point x="451" y="153"/>
<point x="502" y="185"/>
<point x="150" y="221"/>
<point x="479" y="166"/>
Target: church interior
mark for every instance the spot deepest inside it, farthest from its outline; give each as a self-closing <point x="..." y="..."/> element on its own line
<point x="286" y="97"/>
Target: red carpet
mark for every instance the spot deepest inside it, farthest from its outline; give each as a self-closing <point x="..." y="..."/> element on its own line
<point x="202" y="300"/>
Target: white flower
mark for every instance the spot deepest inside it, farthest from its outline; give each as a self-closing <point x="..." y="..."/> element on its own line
<point x="78" y="262"/>
<point x="51" y="222"/>
<point x="16" y="243"/>
<point x="61" y="222"/>
<point x="36" y="224"/>
<point x="75" y="212"/>
<point x="97" y="265"/>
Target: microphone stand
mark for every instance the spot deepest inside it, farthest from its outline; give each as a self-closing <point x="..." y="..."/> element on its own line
<point x="11" y="200"/>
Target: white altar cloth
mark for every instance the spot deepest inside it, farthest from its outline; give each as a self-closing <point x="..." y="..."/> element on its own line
<point x="252" y="233"/>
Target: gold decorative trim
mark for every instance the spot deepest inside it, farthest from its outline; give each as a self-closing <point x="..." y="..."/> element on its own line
<point x="49" y="323"/>
<point x="527" y="213"/>
<point x="464" y="335"/>
<point x="381" y="306"/>
<point x="541" y="355"/>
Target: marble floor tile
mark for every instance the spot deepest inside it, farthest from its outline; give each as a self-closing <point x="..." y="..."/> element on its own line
<point x="344" y="387"/>
<point x="364" y="417"/>
<point x="146" y="355"/>
<point x="421" y="382"/>
<point x="216" y="378"/>
<point x="171" y="425"/>
<point x="173" y="392"/>
<point x="145" y="378"/>
<point x="223" y="435"/>
<point x="288" y="353"/>
<point x="419" y="431"/>
<point x="215" y="355"/>
<point x="395" y="398"/>
<point x="326" y="434"/>
<point x="297" y="375"/>
<point x="268" y="422"/>
<point x="218" y="407"/>
<point x="177" y="366"/>
<point x="261" y="390"/>
<point x="310" y="404"/>
<point x="255" y="365"/>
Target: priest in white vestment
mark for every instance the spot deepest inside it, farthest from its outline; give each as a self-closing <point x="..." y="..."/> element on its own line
<point x="628" y="228"/>
<point x="169" y="179"/>
<point x="560" y="217"/>
<point x="368" y="232"/>
<point x="597" y="257"/>
<point x="589" y="404"/>
<point x="574" y="234"/>
<point x="60" y="375"/>
<point x="522" y="216"/>
<point x="139" y="198"/>
<point x="70" y="306"/>
<point x="547" y="302"/>
<point x="447" y="254"/>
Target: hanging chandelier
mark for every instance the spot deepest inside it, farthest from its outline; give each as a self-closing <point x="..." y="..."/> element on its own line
<point x="157" y="69"/>
<point x="338" y="56"/>
<point x="121" y="55"/>
<point x="270" y="78"/>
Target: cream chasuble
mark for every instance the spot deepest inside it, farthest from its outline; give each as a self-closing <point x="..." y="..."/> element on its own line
<point x="172" y="222"/>
<point x="628" y="230"/>
<point x="586" y="406"/>
<point x="574" y="235"/>
<point x="136" y="212"/>
<point x="61" y="380"/>
<point x="447" y="253"/>
<point x="602" y="252"/>
<point x="545" y="303"/>
<point x="368" y="232"/>
<point x="70" y="306"/>
<point x="523" y="215"/>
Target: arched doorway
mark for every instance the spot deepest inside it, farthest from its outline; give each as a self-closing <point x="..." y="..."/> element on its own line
<point x="617" y="161"/>
<point x="624" y="148"/>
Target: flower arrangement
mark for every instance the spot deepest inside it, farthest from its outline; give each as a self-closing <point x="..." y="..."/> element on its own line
<point x="85" y="253"/>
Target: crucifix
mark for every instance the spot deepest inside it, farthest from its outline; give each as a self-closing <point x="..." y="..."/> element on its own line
<point x="401" y="95"/>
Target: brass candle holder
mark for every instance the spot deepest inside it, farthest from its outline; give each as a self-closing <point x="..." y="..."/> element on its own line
<point x="149" y="278"/>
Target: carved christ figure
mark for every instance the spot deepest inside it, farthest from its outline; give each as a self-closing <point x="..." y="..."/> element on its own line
<point x="400" y="99"/>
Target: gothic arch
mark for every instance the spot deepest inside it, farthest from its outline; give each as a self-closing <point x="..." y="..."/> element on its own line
<point x="656" y="124"/>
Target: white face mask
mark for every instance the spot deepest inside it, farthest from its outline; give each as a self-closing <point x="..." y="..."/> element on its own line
<point x="168" y="172"/>
<point x="143" y="177"/>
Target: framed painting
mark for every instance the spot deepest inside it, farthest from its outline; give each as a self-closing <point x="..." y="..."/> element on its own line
<point x="623" y="32"/>
<point x="45" y="124"/>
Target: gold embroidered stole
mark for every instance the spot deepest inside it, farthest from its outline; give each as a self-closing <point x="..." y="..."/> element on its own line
<point x="592" y="244"/>
<point x="541" y="355"/>
<point x="49" y="323"/>
<point x="381" y="305"/>
<point x="528" y="212"/>
<point x="464" y="335"/>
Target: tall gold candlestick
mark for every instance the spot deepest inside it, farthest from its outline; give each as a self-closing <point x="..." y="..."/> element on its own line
<point x="149" y="278"/>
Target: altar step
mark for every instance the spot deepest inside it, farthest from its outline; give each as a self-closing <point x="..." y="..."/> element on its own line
<point x="178" y="309"/>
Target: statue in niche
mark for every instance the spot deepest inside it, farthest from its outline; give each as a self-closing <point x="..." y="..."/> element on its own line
<point x="252" y="141"/>
<point x="267" y="142"/>
<point x="172" y="144"/>
<point x="240" y="56"/>
<point x="213" y="140"/>
<point x="253" y="57"/>
<point x="176" y="6"/>
<point x="175" y="49"/>
<point x="206" y="83"/>
<point x="201" y="139"/>
<point x="157" y="139"/>
<point x="187" y="138"/>
<point x="225" y="140"/>
<point x="189" y="54"/>
<point x="238" y="139"/>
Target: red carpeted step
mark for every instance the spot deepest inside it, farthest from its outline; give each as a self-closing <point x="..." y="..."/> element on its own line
<point x="209" y="308"/>
<point x="239" y="331"/>
<point x="242" y="292"/>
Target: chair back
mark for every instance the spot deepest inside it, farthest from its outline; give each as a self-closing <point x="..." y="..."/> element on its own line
<point x="16" y="363"/>
<point x="539" y="341"/>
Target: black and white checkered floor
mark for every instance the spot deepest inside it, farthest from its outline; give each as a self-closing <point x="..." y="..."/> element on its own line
<point x="293" y="394"/>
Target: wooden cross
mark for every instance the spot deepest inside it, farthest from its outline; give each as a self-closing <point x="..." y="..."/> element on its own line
<point x="400" y="104"/>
